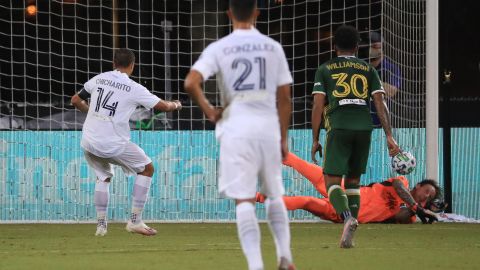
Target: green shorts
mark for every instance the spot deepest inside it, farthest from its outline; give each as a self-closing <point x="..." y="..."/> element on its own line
<point x="346" y="152"/>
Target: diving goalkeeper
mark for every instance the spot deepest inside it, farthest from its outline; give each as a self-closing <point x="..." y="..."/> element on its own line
<point x="389" y="201"/>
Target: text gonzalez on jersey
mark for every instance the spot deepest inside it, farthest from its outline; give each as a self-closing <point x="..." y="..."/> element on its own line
<point x="248" y="48"/>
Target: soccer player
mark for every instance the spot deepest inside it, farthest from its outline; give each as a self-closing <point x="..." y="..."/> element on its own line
<point x="106" y="136"/>
<point x="342" y="90"/>
<point x="389" y="201"/>
<point x="254" y="79"/>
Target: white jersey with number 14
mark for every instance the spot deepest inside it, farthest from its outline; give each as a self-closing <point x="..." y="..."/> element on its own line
<point x="114" y="98"/>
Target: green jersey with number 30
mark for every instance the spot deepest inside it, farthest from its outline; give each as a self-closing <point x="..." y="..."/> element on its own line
<point x="348" y="83"/>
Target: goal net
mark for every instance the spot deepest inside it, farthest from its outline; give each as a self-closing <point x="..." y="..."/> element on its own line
<point x="49" y="51"/>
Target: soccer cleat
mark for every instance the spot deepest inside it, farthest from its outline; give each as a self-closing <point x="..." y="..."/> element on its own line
<point x="286" y="264"/>
<point x="101" y="230"/>
<point x="349" y="229"/>
<point x="140" y="228"/>
<point x="101" y="227"/>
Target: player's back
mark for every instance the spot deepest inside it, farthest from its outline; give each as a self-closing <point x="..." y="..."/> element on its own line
<point x="380" y="201"/>
<point x="251" y="67"/>
<point x="348" y="83"/>
<point x="114" y="98"/>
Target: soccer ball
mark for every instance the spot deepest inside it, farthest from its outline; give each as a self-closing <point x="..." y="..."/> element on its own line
<point x="403" y="163"/>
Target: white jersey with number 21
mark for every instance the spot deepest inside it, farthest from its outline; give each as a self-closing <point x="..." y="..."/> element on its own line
<point x="249" y="68"/>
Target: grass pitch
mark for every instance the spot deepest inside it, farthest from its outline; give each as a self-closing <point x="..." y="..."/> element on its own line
<point x="215" y="246"/>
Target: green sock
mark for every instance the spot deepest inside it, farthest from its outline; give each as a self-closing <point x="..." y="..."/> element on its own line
<point x="353" y="195"/>
<point x="339" y="200"/>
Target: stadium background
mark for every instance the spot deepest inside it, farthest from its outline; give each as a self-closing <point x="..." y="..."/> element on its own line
<point x="45" y="58"/>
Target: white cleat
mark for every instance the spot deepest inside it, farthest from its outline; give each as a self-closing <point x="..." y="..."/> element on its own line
<point x="101" y="231"/>
<point x="140" y="228"/>
<point x="349" y="229"/>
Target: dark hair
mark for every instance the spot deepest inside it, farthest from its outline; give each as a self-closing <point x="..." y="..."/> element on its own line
<point x="242" y="9"/>
<point x="346" y="38"/>
<point x="123" y="58"/>
<point x="434" y="184"/>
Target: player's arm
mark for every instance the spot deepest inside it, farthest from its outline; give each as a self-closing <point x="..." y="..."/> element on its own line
<point x="168" y="106"/>
<point x="317" y="111"/>
<point x="403" y="216"/>
<point x="403" y="192"/>
<point x="193" y="86"/>
<point x="284" y="105"/>
<point x="383" y="117"/>
<point x="383" y="114"/>
<point x="425" y="215"/>
<point x="319" y="99"/>
<point x="79" y="100"/>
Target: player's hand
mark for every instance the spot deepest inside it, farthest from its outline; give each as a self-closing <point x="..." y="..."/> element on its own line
<point x="284" y="149"/>
<point x="214" y="114"/>
<point x="316" y="147"/>
<point x="426" y="216"/>
<point x="178" y="105"/>
<point x="393" y="148"/>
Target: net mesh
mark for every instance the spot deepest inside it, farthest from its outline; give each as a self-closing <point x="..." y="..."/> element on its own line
<point x="47" y="56"/>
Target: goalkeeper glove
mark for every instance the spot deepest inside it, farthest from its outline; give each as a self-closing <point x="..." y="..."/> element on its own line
<point x="424" y="216"/>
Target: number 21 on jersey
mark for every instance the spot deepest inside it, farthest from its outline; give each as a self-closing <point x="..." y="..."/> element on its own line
<point x="239" y="84"/>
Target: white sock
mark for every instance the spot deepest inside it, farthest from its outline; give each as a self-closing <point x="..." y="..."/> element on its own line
<point x="139" y="197"/>
<point x="249" y="234"/>
<point x="100" y="198"/>
<point x="279" y="225"/>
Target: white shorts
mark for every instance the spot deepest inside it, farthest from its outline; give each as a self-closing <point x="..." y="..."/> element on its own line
<point x="245" y="161"/>
<point x="132" y="160"/>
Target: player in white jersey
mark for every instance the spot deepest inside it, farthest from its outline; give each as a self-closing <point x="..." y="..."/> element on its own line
<point x="106" y="136"/>
<point x="254" y="80"/>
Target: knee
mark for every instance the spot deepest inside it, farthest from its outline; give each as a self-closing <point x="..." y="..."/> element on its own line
<point x="149" y="170"/>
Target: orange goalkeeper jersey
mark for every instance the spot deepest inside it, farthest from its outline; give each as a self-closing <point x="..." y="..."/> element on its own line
<point x="380" y="201"/>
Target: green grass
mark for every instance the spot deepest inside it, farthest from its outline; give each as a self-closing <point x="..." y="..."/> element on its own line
<point x="215" y="246"/>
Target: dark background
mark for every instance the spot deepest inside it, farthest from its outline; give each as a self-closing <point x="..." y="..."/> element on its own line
<point x="460" y="54"/>
<point x="39" y="74"/>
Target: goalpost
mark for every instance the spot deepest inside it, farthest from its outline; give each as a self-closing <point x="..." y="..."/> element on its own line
<point x="47" y="56"/>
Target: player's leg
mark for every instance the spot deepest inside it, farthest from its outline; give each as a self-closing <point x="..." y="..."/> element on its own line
<point x="312" y="172"/>
<point x="238" y="180"/>
<point x="101" y="198"/>
<point x="320" y="207"/>
<point x="103" y="171"/>
<point x="249" y="233"/>
<point x="133" y="160"/>
<point x="352" y="190"/>
<point x="272" y="187"/>
<point x="357" y="167"/>
<point x="337" y="153"/>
